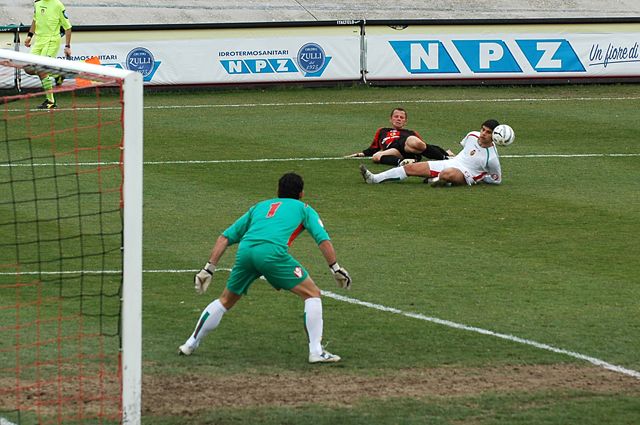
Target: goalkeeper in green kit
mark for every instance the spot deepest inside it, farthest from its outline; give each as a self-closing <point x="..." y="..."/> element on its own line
<point x="264" y="234"/>
<point x="49" y="16"/>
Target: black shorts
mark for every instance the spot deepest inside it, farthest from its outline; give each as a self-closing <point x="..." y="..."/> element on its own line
<point x="399" y="145"/>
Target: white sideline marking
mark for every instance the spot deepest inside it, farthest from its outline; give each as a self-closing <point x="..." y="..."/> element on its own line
<point x="329" y="158"/>
<point x="448" y="323"/>
<point x="361" y="102"/>
<point x="333" y="158"/>
<point x="394" y="102"/>
<point x="4" y="421"/>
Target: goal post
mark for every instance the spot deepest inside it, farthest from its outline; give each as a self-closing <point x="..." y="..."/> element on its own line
<point x="71" y="223"/>
<point x="132" y="265"/>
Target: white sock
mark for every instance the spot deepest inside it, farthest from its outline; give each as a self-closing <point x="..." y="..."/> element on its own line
<point x="313" y="323"/>
<point x="396" y="173"/>
<point x="209" y="320"/>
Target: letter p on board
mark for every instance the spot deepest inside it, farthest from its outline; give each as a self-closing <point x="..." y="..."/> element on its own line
<point x="490" y="52"/>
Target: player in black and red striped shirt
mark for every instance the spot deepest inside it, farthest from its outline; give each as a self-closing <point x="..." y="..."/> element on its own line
<point x="395" y="145"/>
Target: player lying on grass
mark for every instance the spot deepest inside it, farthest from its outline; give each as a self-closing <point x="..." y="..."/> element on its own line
<point x="477" y="162"/>
<point x="264" y="234"/>
<point x="399" y="146"/>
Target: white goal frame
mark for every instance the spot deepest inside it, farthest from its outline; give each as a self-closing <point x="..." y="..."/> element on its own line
<point x="132" y="219"/>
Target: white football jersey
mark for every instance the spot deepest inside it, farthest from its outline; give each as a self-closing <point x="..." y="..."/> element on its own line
<point x="474" y="161"/>
<point x="482" y="163"/>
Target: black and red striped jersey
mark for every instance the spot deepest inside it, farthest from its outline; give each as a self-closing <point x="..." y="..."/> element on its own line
<point x="385" y="137"/>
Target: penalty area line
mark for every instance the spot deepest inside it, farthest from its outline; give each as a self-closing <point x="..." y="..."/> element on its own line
<point x="512" y="338"/>
<point x="593" y="360"/>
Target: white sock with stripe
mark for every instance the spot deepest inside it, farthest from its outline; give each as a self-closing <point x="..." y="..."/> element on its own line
<point x="392" y="174"/>
<point x="209" y="320"/>
<point x="313" y="324"/>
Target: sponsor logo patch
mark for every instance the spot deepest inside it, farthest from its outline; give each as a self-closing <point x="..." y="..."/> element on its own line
<point x="140" y="60"/>
<point x="311" y="58"/>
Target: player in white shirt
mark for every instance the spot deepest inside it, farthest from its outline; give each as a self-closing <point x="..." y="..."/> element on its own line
<point x="477" y="162"/>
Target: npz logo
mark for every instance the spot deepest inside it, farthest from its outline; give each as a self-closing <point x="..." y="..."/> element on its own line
<point x="142" y="61"/>
<point x="486" y="56"/>
<point x="311" y="59"/>
<point x="259" y="66"/>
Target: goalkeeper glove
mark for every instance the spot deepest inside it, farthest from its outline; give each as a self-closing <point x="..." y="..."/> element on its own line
<point x="203" y="278"/>
<point x="341" y="276"/>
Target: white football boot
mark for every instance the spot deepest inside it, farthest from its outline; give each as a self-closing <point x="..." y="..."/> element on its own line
<point x="186" y="350"/>
<point x="324" y="357"/>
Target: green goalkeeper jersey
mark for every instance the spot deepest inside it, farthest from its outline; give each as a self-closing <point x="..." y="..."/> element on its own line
<point x="278" y="221"/>
<point x="49" y="16"/>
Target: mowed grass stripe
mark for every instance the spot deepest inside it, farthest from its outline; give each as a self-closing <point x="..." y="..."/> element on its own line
<point x="593" y="360"/>
<point x="234" y="161"/>
<point x="362" y="102"/>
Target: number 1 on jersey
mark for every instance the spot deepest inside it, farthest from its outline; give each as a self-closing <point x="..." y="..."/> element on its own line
<point x="273" y="208"/>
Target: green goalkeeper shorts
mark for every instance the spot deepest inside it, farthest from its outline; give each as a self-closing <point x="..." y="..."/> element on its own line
<point x="274" y="262"/>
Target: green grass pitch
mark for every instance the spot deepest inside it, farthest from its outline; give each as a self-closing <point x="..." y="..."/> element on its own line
<point x="550" y="256"/>
<point x="510" y="304"/>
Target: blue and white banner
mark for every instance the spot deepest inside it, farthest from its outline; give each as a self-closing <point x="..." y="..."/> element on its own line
<point x="277" y="60"/>
<point x="439" y="55"/>
<point x="228" y="57"/>
<point x="335" y="53"/>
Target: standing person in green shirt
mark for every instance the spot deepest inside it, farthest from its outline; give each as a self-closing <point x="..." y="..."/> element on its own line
<point x="48" y="17"/>
<point x="264" y="234"/>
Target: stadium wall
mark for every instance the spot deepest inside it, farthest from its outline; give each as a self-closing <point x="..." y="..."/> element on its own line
<point x="374" y="52"/>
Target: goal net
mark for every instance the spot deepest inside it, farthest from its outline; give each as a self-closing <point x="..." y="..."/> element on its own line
<point x="70" y="245"/>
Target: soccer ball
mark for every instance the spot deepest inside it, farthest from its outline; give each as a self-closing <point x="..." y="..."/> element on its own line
<point x="503" y="135"/>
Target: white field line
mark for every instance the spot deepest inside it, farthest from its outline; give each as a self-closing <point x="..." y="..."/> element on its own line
<point x="398" y="102"/>
<point x="448" y="323"/>
<point x="418" y="316"/>
<point x="368" y="102"/>
<point x="237" y="161"/>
